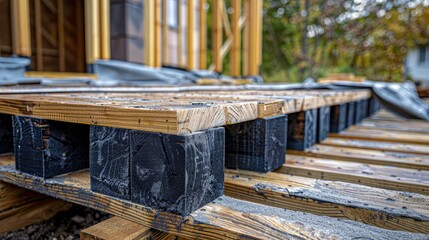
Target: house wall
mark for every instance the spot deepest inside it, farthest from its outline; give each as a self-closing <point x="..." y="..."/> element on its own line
<point x="415" y="69"/>
<point x="127" y="33"/>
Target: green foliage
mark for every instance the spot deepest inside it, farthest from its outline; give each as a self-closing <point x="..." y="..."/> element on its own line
<point x="304" y="38"/>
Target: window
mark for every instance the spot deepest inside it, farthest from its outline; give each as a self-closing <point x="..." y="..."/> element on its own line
<point x="424" y="55"/>
<point x="172" y="16"/>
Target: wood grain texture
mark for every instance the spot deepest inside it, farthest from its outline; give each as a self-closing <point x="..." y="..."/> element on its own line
<point x="119" y="228"/>
<point x="20" y="207"/>
<point x="379" y="207"/>
<point x="393" y="178"/>
<point x="258" y="145"/>
<point x="384" y="158"/>
<point x="302" y="130"/>
<point x="224" y="218"/>
<point x="48" y="148"/>
<point x="377" y="145"/>
<point x="356" y="132"/>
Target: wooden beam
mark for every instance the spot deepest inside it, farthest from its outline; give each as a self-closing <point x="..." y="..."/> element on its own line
<point x="119" y="228"/>
<point x="149" y="31"/>
<point x="61" y="41"/>
<point x="252" y="38"/>
<point x="158" y="38"/>
<point x="179" y="34"/>
<point x="190" y="34"/>
<point x="21" y="27"/>
<point x="235" y="63"/>
<point x="92" y="31"/>
<point x="165" y="31"/>
<point x="20" y="207"/>
<point x="104" y="23"/>
<point x="217" y="35"/>
<point x="213" y="221"/>
<point x="39" y="37"/>
<point x="246" y="37"/>
<point x="203" y="34"/>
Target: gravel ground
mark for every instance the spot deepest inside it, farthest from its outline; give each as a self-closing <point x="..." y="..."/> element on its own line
<point x="65" y="225"/>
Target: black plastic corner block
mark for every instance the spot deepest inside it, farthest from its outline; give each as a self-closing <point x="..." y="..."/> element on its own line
<point x="351" y="110"/>
<point x="323" y="123"/>
<point x="177" y="173"/>
<point x="338" y="118"/>
<point x="6" y="134"/>
<point x="258" y="145"/>
<point x="302" y="130"/>
<point x="48" y="148"/>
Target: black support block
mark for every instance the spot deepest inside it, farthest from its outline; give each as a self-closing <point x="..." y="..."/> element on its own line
<point x="6" y="134"/>
<point x="110" y="161"/>
<point x="350" y="114"/>
<point x="49" y="148"/>
<point x="364" y="109"/>
<point x="338" y="118"/>
<point x="302" y="130"/>
<point x="323" y="123"/>
<point x="374" y="105"/>
<point x="258" y="145"/>
<point x="175" y="173"/>
<point x="358" y="111"/>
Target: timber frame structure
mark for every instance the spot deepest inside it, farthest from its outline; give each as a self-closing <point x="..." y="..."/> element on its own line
<point x="235" y="31"/>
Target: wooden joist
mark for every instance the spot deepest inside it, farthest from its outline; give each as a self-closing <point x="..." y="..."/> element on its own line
<point x="379" y="207"/>
<point x="225" y="218"/>
<point x="20" y="207"/>
<point x="394" y="178"/>
<point x="119" y="228"/>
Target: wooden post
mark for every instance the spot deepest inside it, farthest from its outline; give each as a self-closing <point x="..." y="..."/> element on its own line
<point x="217" y="35"/>
<point x="203" y="35"/>
<point x="21" y="27"/>
<point x="61" y="40"/>
<point x="38" y="30"/>
<point x="92" y="31"/>
<point x="104" y="29"/>
<point x="236" y="41"/>
<point x="252" y="39"/>
<point x="190" y="34"/>
<point x="157" y="37"/>
<point x="149" y="37"/>
<point x="179" y="34"/>
<point x="246" y="38"/>
<point x="165" y="44"/>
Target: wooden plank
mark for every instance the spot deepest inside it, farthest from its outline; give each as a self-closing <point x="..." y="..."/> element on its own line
<point x="20" y="207"/>
<point x="92" y="31"/>
<point x="39" y="37"/>
<point x="217" y="35"/>
<point x="179" y="33"/>
<point x="395" y="126"/>
<point x="157" y="34"/>
<point x="202" y="26"/>
<point x="155" y="116"/>
<point x="377" y="145"/>
<point x="61" y="42"/>
<point x="379" y="207"/>
<point x="190" y="34"/>
<point x="224" y="218"/>
<point x="165" y="30"/>
<point x="384" y="158"/>
<point x="394" y="178"/>
<point x="382" y="135"/>
<point x="119" y="228"/>
<point x="149" y="32"/>
<point x="235" y="57"/>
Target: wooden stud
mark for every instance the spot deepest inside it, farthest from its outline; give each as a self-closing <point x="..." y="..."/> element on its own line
<point x="235" y="69"/>
<point x="190" y="34"/>
<point x="92" y="31"/>
<point x="157" y="31"/>
<point x="61" y="41"/>
<point x="253" y="38"/>
<point x="165" y="32"/>
<point x="179" y="34"/>
<point x="149" y="31"/>
<point x="39" y="37"/>
<point x="217" y="35"/>
<point x="203" y="34"/>
<point x="21" y="27"/>
<point x="246" y="37"/>
<point x="104" y="21"/>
